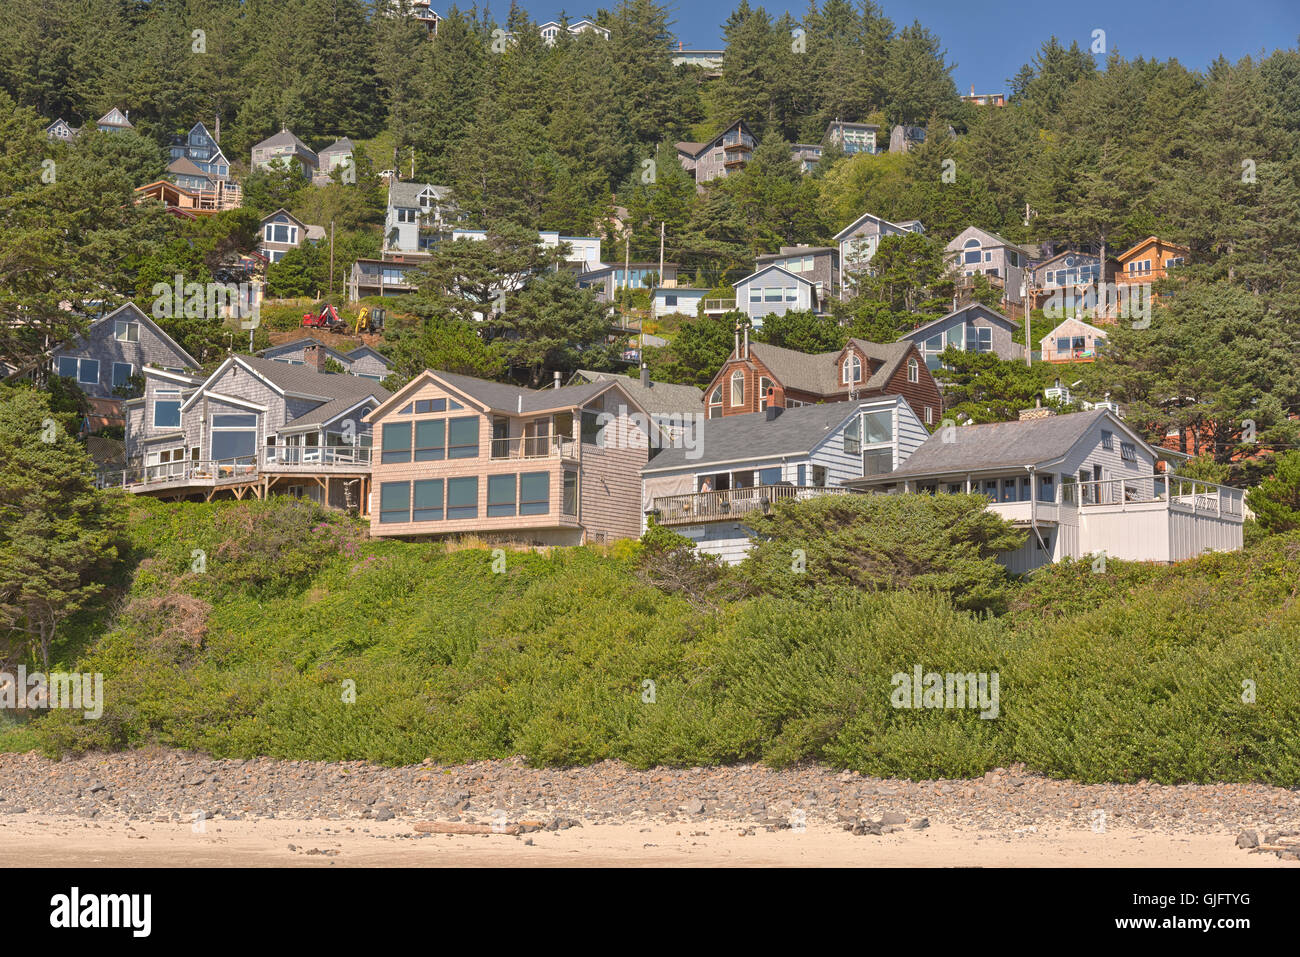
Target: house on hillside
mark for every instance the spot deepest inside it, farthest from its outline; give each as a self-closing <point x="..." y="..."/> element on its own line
<point x="852" y="138"/>
<point x="254" y="427"/>
<point x="727" y="152"/>
<point x="976" y="251"/>
<point x="757" y="376"/>
<point x="820" y="265"/>
<point x="114" y="121"/>
<point x="774" y="291"/>
<point x="1147" y="262"/>
<point x="972" y="328"/>
<point x="379" y="277"/>
<point x="806" y="156"/>
<point x="668" y="402"/>
<point x="61" y="129"/>
<point x="283" y="149"/>
<point x="551" y="30"/>
<point x="1073" y="341"/>
<point x="858" y="242"/>
<point x="338" y="155"/>
<point x="1065" y="279"/>
<point x="418" y="215"/>
<point x="283" y="231"/>
<point x="201" y="148"/>
<point x="460" y="455"/>
<point x="754" y="461"/>
<point x="115" y="349"/>
<point x="1079" y="484"/>
<point x="605" y="281"/>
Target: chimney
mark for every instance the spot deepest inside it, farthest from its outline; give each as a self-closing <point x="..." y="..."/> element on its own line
<point x="557" y="378"/>
<point x="1037" y="412"/>
<point x="645" y="376"/>
<point x="738" y="355"/>
<point x="314" y="357"/>
<point x="746" y="355"/>
<point x="772" y="411"/>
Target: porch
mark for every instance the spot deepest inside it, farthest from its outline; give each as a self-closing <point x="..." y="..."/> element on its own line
<point x="732" y="504"/>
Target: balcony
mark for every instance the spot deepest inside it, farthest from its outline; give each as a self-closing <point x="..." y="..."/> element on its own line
<point x="534" y="447"/>
<point x="733" y="504"/>
<point x="309" y="459"/>
<point x="208" y="473"/>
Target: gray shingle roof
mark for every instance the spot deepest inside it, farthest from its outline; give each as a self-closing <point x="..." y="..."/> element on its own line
<point x="284" y="138"/>
<point x="751" y="436"/>
<point x="817" y="372"/>
<point x="305" y="341"/>
<point x="998" y="445"/>
<point x="408" y="194"/>
<point x="991" y="314"/>
<point x="185" y="167"/>
<point x="502" y="397"/>
<point x="340" y="391"/>
<point x="663" y="398"/>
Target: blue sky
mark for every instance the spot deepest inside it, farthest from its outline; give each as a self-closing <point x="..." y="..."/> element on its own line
<point x="990" y="39"/>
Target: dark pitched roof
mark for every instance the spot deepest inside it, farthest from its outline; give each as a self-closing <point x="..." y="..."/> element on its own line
<point x="185" y="167"/>
<point x="503" y="397"/>
<point x="988" y="313"/>
<point x="663" y="398"/>
<point x="753" y="436"/>
<point x="306" y="341"/>
<point x="340" y="392"/>
<point x="818" y="373"/>
<point x="998" y="445"/>
<point x="284" y="138"/>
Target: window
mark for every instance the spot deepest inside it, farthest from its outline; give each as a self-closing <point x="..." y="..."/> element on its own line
<point x="281" y="233"/>
<point x="234" y="421"/>
<point x="772" y="294"/>
<point x="1128" y="451"/>
<point x="395" y="502"/>
<point x="913" y="371"/>
<point x="819" y="476"/>
<point x="431" y="440"/>
<point x="972" y="251"/>
<point x="802" y="478"/>
<point x="929" y="415"/>
<point x="126" y="331"/>
<point x="991" y="489"/>
<point x="851" y="371"/>
<point x="425" y="406"/>
<point x="755" y="294"/>
<point x="462" y="438"/>
<point x="569" y="503"/>
<point x="501" y="495"/>
<point x="1050" y="281"/>
<point x="1047" y="488"/>
<point x="167" y="412"/>
<point x="853" y="436"/>
<point x="396" y="443"/>
<point x="715" y="403"/>
<point x="988" y="257"/>
<point x="88" y="371"/>
<point x="791" y="293"/>
<point x="764" y="384"/>
<point x="770" y="476"/>
<point x="878" y="462"/>
<point x="234" y="436"/>
<point x="1009" y="490"/>
<point x="67" y="366"/>
<point x="1108" y="440"/>
<point x="670" y="300"/>
<point x="535" y="493"/>
<point x="979" y="338"/>
<point x="590" y="427"/>
<point x="737" y="388"/>
<point x="462" y="497"/>
<point x="405" y="215"/>
<point x="122" y="374"/>
<point x="878" y="427"/>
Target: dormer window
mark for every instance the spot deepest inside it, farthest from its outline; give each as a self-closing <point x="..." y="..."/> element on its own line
<point x="852" y="370"/>
<point x="737" y="388"/>
<point x="913" y="371"/>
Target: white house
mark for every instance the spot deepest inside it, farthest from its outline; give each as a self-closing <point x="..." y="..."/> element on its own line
<point x="774" y="290"/>
<point x="674" y="299"/>
<point x="739" y="463"/>
<point x="417" y="216"/>
<point x="1079" y="484"/>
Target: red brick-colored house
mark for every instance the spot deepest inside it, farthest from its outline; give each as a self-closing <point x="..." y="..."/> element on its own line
<point x="757" y="374"/>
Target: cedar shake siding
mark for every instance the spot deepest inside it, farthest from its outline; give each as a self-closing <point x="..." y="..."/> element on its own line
<point x="461" y="456"/>
<point x="126" y="337"/>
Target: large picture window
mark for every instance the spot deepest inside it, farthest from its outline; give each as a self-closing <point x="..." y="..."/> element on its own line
<point x="167" y="410"/>
<point x="501" y="496"/>
<point x="462" y="497"/>
<point x="395" y="502"/>
<point x="396" y="443"/>
<point x="534" y="493"/>
<point x="234" y="436"/>
<point x="427" y="500"/>
<point x="431" y="440"/>
<point x="462" y="438"/>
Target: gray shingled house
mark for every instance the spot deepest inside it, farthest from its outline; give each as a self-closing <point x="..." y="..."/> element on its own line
<point x="254" y="427"/>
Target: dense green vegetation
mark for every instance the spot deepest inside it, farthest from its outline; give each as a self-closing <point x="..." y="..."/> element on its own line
<point x="1133" y="673"/>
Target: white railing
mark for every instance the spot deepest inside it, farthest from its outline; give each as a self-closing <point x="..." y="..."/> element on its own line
<point x="189" y="472"/>
<point x="733" y="503"/>
<point x="1174" y="491"/>
<point x="307" y="458"/>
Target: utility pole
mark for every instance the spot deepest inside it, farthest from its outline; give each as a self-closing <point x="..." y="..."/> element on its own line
<point x="641" y="343"/>
<point x="1029" y="317"/>
<point x="331" y="258"/>
<point x="627" y="271"/>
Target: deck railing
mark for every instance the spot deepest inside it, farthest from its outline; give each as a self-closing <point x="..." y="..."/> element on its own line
<point x="719" y="305"/>
<point x="733" y="503"/>
<point x="308" y="457"/>
<point x="190" y="471"/>
<point x="1176" y="491"/>
<point x="535" y="447"/>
